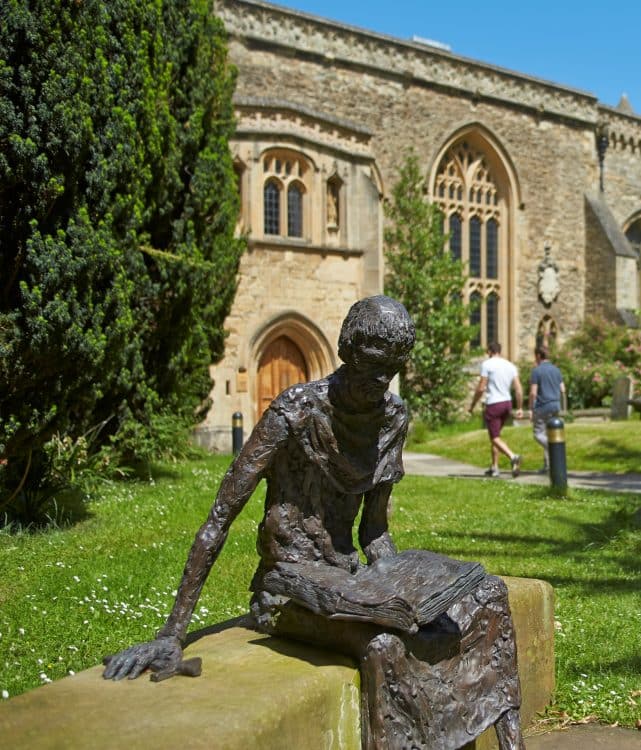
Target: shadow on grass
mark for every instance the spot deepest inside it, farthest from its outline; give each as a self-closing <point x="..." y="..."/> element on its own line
<point x="609" y="454"/>
<point x="630" y="664"/>
<point x="34" y="513"/>
<point x="615" y="540"/>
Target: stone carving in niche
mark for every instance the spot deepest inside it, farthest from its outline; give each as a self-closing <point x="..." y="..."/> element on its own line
<point x="549" y="285"/>
<point x="333" y="201"/>
<point x="547" y="331"/>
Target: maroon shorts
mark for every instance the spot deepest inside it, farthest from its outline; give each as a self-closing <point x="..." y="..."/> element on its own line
<point x="495" y="416"/>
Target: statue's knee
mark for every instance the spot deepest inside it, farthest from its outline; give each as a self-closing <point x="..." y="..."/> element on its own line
<point x="385" y="647"/>
<point x="492" y="589"/>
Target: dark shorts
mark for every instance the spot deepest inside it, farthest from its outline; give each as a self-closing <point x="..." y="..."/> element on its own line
<point x="495" y="416"/>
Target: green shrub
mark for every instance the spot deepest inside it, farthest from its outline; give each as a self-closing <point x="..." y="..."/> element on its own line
<point x="62" y="476"/>
<point x="591" y="361"/>
<point x="594" y="358"/>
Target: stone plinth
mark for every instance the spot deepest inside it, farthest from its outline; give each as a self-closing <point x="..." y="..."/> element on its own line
<point x="255" y="692"/>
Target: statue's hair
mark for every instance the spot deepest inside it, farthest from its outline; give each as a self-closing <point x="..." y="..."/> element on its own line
<point x="377" y="321"/>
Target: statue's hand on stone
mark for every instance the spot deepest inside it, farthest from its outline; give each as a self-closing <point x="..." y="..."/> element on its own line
<point x="163" y="656"/>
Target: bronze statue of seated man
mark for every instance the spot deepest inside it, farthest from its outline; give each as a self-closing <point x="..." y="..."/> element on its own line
<point x="326" y="448"/>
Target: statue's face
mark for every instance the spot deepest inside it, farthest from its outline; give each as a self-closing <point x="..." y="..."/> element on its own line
<point x="370" y="373"/>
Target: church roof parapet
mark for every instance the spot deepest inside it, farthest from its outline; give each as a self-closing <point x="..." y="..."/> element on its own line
<point x="258" y="21"/>
<point x="623" y="128"/>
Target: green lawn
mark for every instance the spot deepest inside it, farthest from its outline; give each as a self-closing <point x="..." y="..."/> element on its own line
<point x="68" y="596"/>
<point x="601" y="446"/>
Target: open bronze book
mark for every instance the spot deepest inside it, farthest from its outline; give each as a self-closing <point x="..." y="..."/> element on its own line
<point x="403" y="591"/>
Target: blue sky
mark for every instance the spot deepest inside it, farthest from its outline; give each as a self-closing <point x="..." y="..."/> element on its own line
<point x="583" y="44"/>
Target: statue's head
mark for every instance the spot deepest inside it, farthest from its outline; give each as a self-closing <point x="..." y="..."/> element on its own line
<point x="376" y="330"/>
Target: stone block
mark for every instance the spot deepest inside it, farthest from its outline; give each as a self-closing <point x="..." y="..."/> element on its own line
<point x="621" y="395"/>
<point x="255" y="691"/>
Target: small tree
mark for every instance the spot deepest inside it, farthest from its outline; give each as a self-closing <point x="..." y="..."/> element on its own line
<point x="428" y="281"/>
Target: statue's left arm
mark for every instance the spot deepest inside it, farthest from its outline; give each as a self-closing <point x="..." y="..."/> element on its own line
<point x="164" y="654"/>
<point x="373" y="531"/>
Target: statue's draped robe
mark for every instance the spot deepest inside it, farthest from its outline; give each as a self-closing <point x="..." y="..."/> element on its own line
<point x="438" y="689"/>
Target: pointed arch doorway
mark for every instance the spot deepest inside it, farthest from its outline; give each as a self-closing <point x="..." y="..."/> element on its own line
<point x="282" y="364"/>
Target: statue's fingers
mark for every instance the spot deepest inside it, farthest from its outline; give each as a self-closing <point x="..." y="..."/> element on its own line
<point x="138" y="668"/>
<point x="112" y="665"/>
<point x="163" y="674"/>
<point x="125" y="666"/>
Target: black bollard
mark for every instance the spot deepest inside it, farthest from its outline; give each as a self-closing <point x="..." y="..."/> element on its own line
<point x="236" y="432"/>
<point x="556" y="448"/>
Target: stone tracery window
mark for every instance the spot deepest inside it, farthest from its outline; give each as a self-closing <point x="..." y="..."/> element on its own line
<point x="455" y="236"/>
<point x="295" y="210"/>
<point x="473" y="202"/>
<point x="285" y="192"/>
<point x="475" y="301"/>
<point x="271" y="197"/>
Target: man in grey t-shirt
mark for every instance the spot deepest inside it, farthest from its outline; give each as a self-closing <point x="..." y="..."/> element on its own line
<point x="546" y="389"/>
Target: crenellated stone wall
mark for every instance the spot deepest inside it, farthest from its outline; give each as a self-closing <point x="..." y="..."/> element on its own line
<point x="409" y="95"/>
<point x="622" y="163"/>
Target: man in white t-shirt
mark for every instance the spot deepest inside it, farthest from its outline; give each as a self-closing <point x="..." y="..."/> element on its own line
<point x="498" y="377"/>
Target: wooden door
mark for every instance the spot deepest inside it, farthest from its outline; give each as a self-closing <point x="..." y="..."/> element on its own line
<point x="281" y="365"/>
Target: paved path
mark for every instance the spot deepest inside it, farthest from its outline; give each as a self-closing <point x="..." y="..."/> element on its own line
<point x="426" y="464"/>
<point x="584" y="737"/>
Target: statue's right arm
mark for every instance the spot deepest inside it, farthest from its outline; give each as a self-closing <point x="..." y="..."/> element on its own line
<point x="165" y="653"/>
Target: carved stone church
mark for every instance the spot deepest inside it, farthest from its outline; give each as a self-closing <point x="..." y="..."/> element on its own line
<point x="540" y="186"/>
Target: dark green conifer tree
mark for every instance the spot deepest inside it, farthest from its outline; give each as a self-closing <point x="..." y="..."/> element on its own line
<point x="118" y="206"/>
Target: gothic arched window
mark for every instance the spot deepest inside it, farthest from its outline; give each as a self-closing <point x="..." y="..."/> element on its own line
<point x="285" y="191"/>
<point x="271" y="201"/>
<point x="294" y="210"/>
<point x="468" y="191"/>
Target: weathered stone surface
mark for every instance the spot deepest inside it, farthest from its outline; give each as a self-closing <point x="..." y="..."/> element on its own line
<point x="269" y="694"/>
<point x="621" y="395"/>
